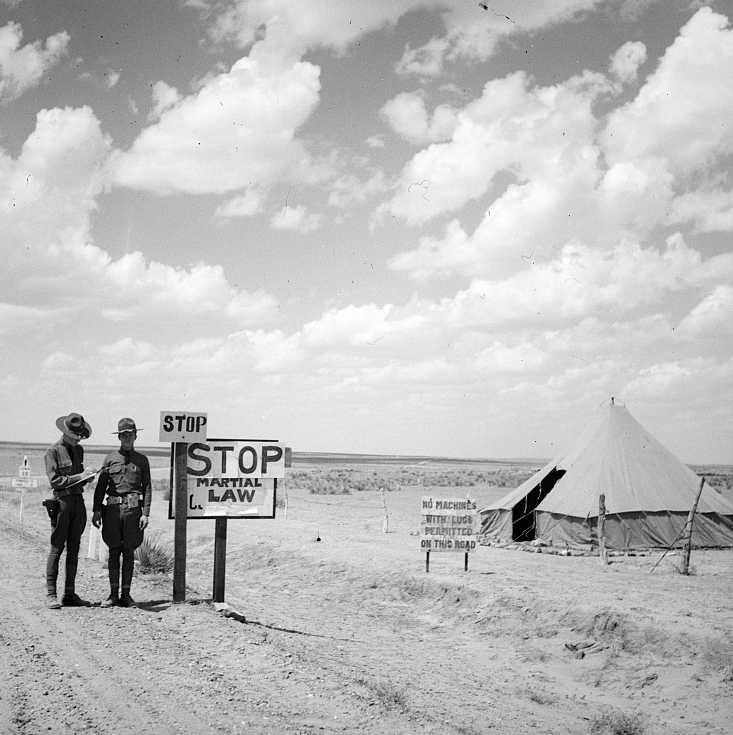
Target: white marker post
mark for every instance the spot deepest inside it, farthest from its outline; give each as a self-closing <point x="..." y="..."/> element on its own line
<point x="21" y="482"/>
<point x="179" y="428"/>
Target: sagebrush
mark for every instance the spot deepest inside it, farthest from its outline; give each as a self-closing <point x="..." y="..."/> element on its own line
<point x="154" y="555"/>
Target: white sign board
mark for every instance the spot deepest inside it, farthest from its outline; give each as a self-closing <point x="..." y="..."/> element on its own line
<point x="448" y="524"/>
<point x="24" y="482"/>
<point x="232" y="478"/>
<point x="182" y="426"/>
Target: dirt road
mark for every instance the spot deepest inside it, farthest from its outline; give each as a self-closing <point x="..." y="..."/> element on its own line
<point x="167" y="668"/>
<point x="158" y="668"/>
<point x="349" y="635"/>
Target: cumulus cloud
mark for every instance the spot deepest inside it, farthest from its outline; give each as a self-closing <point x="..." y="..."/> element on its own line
<point x="243" y="205"/>
<point x="713" y="316"/>
<point x="582" y="281"/>
<point x="667" y="378"/>
<point x="111" y="78"/>
<point x="286" y="28"/>
<point x="710" y="210"/>
<point x="474" y="32"/>
<point x="23" y="67"/>
<point x="47" y="196"/>
<point x="349" y="188"/>
<point x="164" y="97"/>
<point x="551" y="171"/>
<point x="682" y="113"/>
<point x="407" y="116"/>
<point x="425" y="61"/>
<point x="237" y="130"/>
<point x="296" y="219"/>
<point x="534" y="131"/>
<point x="626" y="61"/>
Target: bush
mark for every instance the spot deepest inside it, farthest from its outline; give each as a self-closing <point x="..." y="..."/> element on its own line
<point x="154" y="556"/>
<point x="615" y="722"/>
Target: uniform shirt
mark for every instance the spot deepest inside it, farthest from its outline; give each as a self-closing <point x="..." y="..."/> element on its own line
<point x="62" y="462"/>
<point x="123" y="473"/>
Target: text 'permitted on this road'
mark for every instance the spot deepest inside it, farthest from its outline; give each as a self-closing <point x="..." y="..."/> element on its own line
<point x="233" y="478"/>
<point x="448" y="524"/>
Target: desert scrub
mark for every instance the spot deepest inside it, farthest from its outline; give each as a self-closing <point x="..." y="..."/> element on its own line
<point x="347" y="480"/>
<point x="154" y="556"/>
<point x="615" y="722"/>
<point x="330" y="482"/>
<point x="386" y="694"/>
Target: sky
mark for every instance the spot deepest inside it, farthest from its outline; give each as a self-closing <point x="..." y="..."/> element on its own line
<point x="399" y="226"/>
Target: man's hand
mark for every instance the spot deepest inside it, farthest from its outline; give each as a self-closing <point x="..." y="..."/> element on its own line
<point x="143" y="522"/>
<point x="96" y="519"/>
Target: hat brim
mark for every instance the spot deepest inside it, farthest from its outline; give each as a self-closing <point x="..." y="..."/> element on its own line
<point x="126" y="431"/>
<point x="64" y="429"/>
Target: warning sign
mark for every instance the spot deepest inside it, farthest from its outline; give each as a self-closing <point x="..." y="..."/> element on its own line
<point x="448" y="524"/>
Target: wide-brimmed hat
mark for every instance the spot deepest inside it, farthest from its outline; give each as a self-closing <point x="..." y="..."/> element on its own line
<point x="124" y="425"/>
<point x="74" y="426"/>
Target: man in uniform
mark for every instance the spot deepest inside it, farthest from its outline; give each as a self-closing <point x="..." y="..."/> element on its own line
<point x="65" y="470"/>
<point x="125" y="480"/>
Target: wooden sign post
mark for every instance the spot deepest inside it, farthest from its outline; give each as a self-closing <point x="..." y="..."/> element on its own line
<point x="221" y="479"/>
<point x="179" y="428"/>
<point x="180" y="450"/>
<point x="220" y="559"/>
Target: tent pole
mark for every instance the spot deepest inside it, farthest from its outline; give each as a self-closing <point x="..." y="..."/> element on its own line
<point x="688" y="539"/>
<point x="602" y="528"/>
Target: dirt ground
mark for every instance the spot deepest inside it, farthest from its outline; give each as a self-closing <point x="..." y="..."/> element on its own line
<point x="350" y="634"/>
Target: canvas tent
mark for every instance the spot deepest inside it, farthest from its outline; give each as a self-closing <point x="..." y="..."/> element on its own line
<point x="648" y="494"/>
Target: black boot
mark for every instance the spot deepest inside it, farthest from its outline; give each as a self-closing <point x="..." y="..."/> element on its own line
<point x="113" y="569"/>
<point x="128" y="566"/>
<point x="52" y="573"/>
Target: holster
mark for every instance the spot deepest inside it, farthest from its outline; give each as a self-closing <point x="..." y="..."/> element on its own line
<point x="52" y="508"/>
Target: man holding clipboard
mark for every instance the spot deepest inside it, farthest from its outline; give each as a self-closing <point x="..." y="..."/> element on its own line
<point x="65" y="471"/>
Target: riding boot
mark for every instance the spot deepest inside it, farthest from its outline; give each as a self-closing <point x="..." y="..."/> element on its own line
<point x="52" y="569"/>
<point x="72" y="563"/>
<point x="128" y="566"/>
<point x="113" y="567"/>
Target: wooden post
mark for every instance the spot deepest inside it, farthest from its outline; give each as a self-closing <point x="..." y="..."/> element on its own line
<point x="602" y="529"/>
<point x="385" y="523"/>
<point x="427" y="561"/>
<point x="181" y="510"/>
<point x="220" y="559"/>
<point x="688" y="538"/>
<point x="465" y="563"/>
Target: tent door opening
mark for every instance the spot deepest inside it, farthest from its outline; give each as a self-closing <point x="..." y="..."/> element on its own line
<point x="523" y="518"/>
